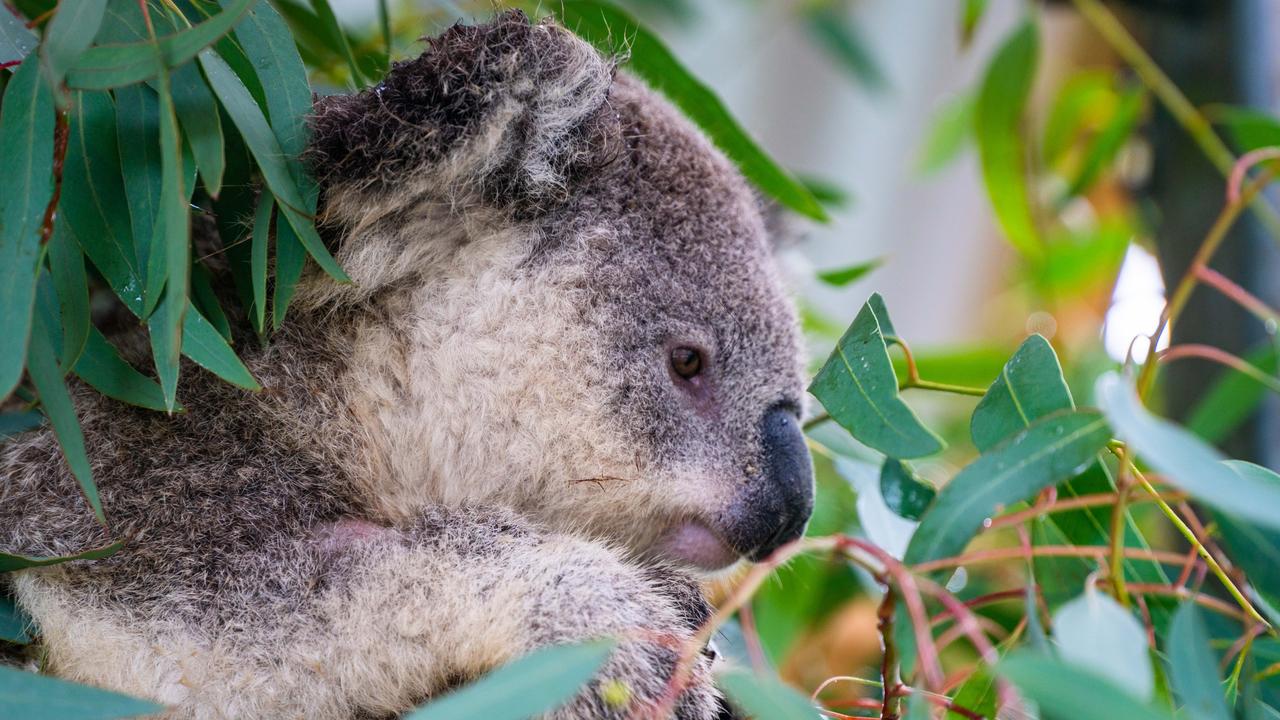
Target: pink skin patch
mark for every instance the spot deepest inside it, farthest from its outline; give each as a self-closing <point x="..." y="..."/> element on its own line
<point x="695" y="544"/>
<point x="341" y="534"/>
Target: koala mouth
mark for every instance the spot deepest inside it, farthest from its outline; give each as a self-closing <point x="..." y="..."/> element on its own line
<point x="695" y="544"/>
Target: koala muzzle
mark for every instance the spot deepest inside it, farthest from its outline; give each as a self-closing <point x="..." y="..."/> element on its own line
<point x="776" y="504"/>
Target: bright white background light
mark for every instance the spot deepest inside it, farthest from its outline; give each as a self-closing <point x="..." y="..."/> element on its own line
<point x="1135" y="308"/>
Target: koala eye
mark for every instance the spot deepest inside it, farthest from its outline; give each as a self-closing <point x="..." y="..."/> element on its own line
<point x="686" y="362"/>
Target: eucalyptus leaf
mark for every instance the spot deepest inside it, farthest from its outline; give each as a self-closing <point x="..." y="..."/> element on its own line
<point x="950" y="129"/>
<point x="198" y="113"/>
<point x="39" y="697"/>
<point x="1233" y="396"/>
<point x="616" y="34"/>
<point x="16" y="40"/>
<point x="1193" y="670"/>
<point x="1096" y="633"/>
<point x="858" y="388"/>
<point x="1066" y="692"/>
<point x="46" y="375"/>
<point x="833" y="31"/>
<point x="26" y="185"/>
<point x="1052" y="449"/>
<point x="138" y="131"/>
<point x="258" y="254"/>
<point x="1247" y="491"/>
<point x="266" y="150"/>
<point x="1104" y="148"/>
<point x="119" y="64"/>
<point x="765" y="697"/>
<point x="998" y="118"/>
<point x="16" y="423"/>
<point x="14" y="623"/>
<point x="530" y="686"/>
<point x="102" y="368"/>
<point x="207" y="348"/>
<point x="337" y="37"/>
<point x="68" y="35"/>
<point x="1030" y="386"/>
<point x="66" y="268"/>
<point x="903" y="492"/>
<point x="845" y="276"/>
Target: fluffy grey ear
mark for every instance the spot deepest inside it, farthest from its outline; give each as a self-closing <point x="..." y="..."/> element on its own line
<point x="505" y="113"/>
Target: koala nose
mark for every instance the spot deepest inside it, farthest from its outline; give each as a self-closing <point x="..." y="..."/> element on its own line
<point x="780" y="498"/>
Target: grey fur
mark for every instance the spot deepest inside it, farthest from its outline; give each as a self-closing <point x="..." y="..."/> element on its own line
<point x="476" y="449"/>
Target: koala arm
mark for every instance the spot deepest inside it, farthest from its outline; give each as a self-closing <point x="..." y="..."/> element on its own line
<point x="400" y="615"/>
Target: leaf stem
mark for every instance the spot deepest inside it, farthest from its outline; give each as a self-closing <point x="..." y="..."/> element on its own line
<point x="1242" y="297"/>
<point x="1208" y="352"/>
<point x="1204" y="553"/>
<point x="919" y="384"/>
<point x="1116" y="554"/>
<point x="890" y="705"/>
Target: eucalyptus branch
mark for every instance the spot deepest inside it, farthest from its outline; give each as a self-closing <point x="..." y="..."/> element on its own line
<point x="1116" y="551"/>
<point x="1066" y="505"/>
<point x="977" y="557"/>
<point x="890" y="707"/>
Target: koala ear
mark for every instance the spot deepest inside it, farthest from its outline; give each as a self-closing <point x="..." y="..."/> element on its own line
<point x="504" y="114"/>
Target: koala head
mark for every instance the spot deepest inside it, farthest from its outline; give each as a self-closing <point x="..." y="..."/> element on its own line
<point x="567" y="302"/>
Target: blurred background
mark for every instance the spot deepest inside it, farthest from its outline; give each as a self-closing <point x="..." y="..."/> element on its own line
<point x="872" y="103"/>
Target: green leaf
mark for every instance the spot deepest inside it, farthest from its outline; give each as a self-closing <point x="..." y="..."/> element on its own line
<point x="1247" y="491"/>
<point x="616" y="34"/>
<point x="138" y="131"/>
<point x="290" y="257"/>
<point x="9" y="563"/>
<point x="1030" y="386"/>
<point x="173" y="234"/>
<point x="26" y="185"/>
<point x="1084" y="99"/>
<point x="904" y="493"/>
<point x="13" y="622"/>
<point x="66" y="266"/>
<point x="337" y="37"/>
<point x="115" y="65"/>
<point x="198" y="112"/>
<point x="1064" y="691"/>
<point x="1104" y="148"/>
<point x="829" y="25"/>
<point x="1051" y="450"/>
<point x="765" y="697"/>
<point x="46" y="375"/>
<point x="1193" y="672"/>
<point x="859" y="390"/>
<point x="206" y="301"/>
<point x="208" y="349"/>
<point x="68" y="35"/>
<point x="973" y="12"/>
<point x="1250" y="129"/>
<point x="1254" y="550"/>
<point x="38" y="697"/>
<point x="16" y="40"/>
<point x="950" y="129"/>
<point x="1233" y="397"/>
<point x="101" y="367"/>
<point x="16" y="423"/>
<point x="842" y="277"/>
<point x="529" y="686"/>
<point x="998" y="117"/>
<point x="262" y="143"/>
<point x="261" y="238"/>
<point x="977" y="693"/>
<point x="1095" y="632"/>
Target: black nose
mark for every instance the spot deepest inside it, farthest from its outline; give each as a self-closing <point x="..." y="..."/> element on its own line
<point x="776" y="504"/>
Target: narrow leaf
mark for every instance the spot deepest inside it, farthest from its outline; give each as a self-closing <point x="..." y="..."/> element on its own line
<point x="40" y="697"/>
<point x="26" y="185"/>
<point x="202" y="343"/>
<point x="765" y="697"/>
<point x="616" y="34"/>
<point x="173" y="233"/>
<point x="9" y="563"/>
<point x="950" y="129"/>
<point x="1233" y="397"/>
<point x="261" y="238"/>
<point x="262" y="143"/>
<point x="206" y="300"/>
<point x="1244" y="490"/>
<point x="46" y="375"/>
<point x="858" y="388"/>
<point x="1108" y="143"/>
<point x="841" y="277"/>
<point x="998" y="117"/>
<point x="102" y="368"/>
<point x="1071" y="692"/>
<point x="16" y="40"/>
<point x="532" y="685"/>
<point x="16" y="423"/>
<point x="68" y="35"/>
<point x="290" y="257"/>
<point x="198" y="113"/>
<point x="1193" y="672"/>
<point x="1051" y="450"/>
<point x="66" y="265"/>
<point x="337" y="37"/>
<point x="115" y="65"/>
<point x="138" y="132"/>
<point x="829" y="25"/>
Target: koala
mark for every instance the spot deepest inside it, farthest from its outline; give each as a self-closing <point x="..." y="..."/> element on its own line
<point x="564" y="385"/>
